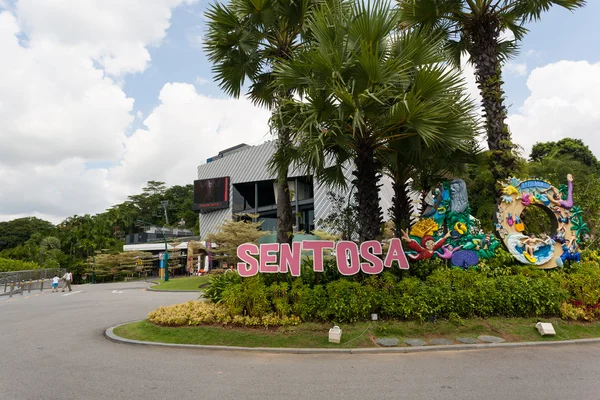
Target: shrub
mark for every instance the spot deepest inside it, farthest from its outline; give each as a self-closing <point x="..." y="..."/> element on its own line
<point x="218" y="283"/>
<point x="309" y="303"/>
<point x="348" y="301"/>
<point x="247" y="298"/>
<point x="513" y="291"/>
<point x="204" y="312"/>
<point x="279" y="297"/>
<point x="9" y="265"/>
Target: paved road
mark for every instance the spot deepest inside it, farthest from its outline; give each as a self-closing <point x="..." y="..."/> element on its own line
<point x="52" y="348"/>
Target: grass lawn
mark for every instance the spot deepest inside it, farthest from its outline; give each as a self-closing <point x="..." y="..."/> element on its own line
<point x="356" y="335"/>
<point x="186" y="283"/>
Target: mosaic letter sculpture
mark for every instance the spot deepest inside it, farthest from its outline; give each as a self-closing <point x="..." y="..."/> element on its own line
<point x="568" y="229"/>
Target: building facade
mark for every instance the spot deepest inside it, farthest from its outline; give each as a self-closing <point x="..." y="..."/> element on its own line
<point x="252" y="190"/>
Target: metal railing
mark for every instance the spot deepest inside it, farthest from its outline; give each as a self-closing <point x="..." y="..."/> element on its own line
<point x="18" y="282"/>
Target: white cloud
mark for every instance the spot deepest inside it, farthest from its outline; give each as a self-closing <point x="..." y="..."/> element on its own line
<point x="114" y="32"/>
<point x="181" y="133"/>
<point x="62" y="108"/>
<point x="564" y="102"/>
<point x="201" y="81"/>
<point x="54" y="104"/>
<point x="517" y="69"/>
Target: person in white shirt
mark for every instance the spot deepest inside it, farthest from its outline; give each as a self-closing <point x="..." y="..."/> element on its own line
<point x="67" y="277"/>
<point x="55" y="283"/>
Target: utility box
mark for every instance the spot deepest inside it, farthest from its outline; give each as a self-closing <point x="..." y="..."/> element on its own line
<point x="335" y="334"/>
<point x="545" y="328"/>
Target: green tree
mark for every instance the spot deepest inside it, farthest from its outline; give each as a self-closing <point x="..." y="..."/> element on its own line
<point x="476" y="27"/>
<point x="118" y="264"/>
<point x="365" y="87"/>
<point x="18" y="231"/>
<point x="246" y="40"/>
<point x="181" y="199"/>
<point x="233" y="234"/>
<point x="567" y="148"/>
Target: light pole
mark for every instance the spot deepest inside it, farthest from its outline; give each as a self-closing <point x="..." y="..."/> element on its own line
<point x="166" y="256"/>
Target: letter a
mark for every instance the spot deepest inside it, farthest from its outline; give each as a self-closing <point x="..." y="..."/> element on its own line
<point x="396" y="253"/>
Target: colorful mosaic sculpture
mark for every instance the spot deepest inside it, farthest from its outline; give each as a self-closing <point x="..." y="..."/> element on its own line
<point x="447" y="206"/>
<point x="550" y="250"/>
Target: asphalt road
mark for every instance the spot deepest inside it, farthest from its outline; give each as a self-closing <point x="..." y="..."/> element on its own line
<point x="52" y="348"/>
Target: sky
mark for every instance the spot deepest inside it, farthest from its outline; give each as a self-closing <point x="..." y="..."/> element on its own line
<point x="99" y="97"/>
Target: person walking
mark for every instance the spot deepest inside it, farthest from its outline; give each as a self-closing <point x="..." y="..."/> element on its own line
<point x="55" y="281"/>
<point x="67" y="277"/>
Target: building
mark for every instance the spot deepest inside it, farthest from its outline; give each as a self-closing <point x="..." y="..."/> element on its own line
<point x="238" y="181"/>
<point x="186" y="252"/>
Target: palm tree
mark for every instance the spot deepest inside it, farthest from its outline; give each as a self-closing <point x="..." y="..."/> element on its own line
<point x="246" y="39"/>
<point x="476" y="27"/>
<point x="364" y="86"/>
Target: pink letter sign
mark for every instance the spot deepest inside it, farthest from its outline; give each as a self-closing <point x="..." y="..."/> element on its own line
<point x="317" y="247"/>
<point x="290" y="258"/>
<point x="369" y="252"/>
<point x="266" y="257"/>
<point x="396" y="253"/>
<point x="341" y="253"/>
<point x="248" y="265"/>
<point x="348" y="257"/>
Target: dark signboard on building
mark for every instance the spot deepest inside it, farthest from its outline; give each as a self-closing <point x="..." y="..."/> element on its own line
<point x="211" y="194"/>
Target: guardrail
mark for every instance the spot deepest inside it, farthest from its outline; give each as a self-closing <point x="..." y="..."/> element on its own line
<point x="18" y="282"/>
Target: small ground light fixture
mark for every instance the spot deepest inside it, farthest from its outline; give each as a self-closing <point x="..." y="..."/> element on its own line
<point x="373" y="317"/>
<point x="545" y="328"/>
<point x="335" y="334"/>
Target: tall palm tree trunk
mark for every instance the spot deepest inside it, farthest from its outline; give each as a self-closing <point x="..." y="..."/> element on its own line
<point x="285" y="220"/>
<point x="485" y="54"/>
<point x="366" y="181"/>
<point x="400" y="204"/>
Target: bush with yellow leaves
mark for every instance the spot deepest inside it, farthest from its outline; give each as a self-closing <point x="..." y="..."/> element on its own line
<point x="195" y="313"/>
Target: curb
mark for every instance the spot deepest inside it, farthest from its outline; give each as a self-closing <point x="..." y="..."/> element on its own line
<point x="110" y="335"/>
<point x="149" y="289"/>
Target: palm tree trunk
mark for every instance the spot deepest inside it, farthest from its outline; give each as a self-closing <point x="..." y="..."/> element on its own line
<point x="400" y="204"/>
<point x="488" y="73"/>
<point x="285" y="220"/>
<point x="366" y="181"/>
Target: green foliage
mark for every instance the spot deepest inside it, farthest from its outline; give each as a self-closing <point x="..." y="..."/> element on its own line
<point x="119" y="264"/>
<point x="7" y="265"/>
<point x="582" y="281"/>
<point x="423" y="268"/>
<point x="348" y="301"/>
<point x="218" y="283"/>
<point x="231" y="235"/>
<point x="567" y="148"/>
<point x="248" y="298"/>
<point x="308" y="303"/>
<point x="515" y="291"/>
<point x="18" y="231"/>
<point x="195" y="313"/>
